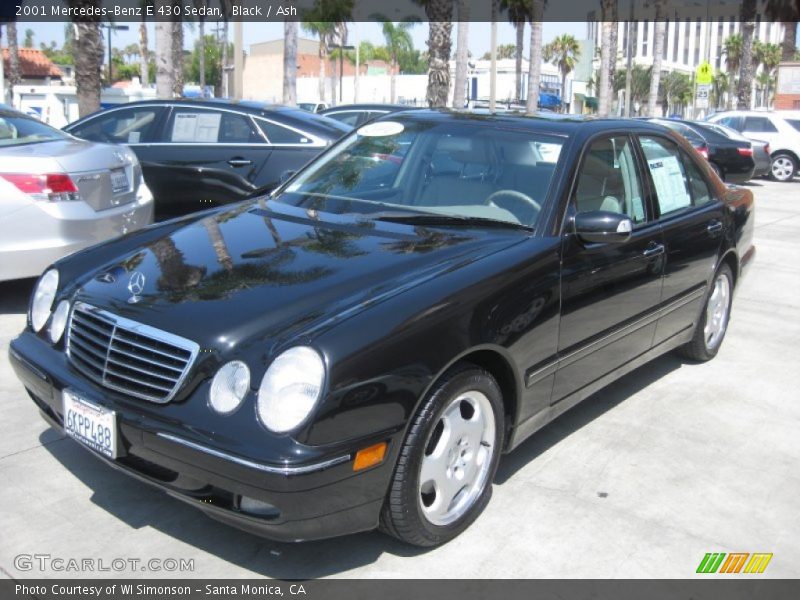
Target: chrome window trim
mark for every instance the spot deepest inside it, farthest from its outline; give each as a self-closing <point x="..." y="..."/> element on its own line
<point x="266" y="468"/>
<point x="157" y="334"/>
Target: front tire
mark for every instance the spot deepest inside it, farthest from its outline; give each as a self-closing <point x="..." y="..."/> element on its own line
<point x="713" y="323"/>
<point x="783" y="167"/>
<point x="443" y="477"/>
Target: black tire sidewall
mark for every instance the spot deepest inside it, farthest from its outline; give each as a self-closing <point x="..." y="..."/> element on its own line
<point x="431" y="410"/>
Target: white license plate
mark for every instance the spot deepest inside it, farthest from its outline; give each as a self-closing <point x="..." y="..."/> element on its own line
<point x="90" y="424"/>
<point x="119" y="181"/>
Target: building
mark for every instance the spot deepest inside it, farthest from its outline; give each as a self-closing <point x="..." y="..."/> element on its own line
<point x="787" y="94"/>
<point x="35" y="68"/>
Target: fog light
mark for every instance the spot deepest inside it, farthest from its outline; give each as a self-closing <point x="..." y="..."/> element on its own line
<point x="257" y="507"/>
<point x="370" y="456"/>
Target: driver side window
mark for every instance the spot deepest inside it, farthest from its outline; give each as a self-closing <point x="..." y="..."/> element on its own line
<point x="608" y="180"/>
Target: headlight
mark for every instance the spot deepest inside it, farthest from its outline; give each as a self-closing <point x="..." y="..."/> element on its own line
<point x="229" y="387"/>
<point x="43" y="297"/>
<point x="59" y="321"/>
<point x="290" y="389"/>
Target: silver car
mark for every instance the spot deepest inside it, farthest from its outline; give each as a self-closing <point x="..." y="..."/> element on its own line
<point x="59" y="194"/>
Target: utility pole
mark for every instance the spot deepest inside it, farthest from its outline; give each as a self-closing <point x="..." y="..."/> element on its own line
<point x="493" y="68"/>
<point x="626" y="110"/>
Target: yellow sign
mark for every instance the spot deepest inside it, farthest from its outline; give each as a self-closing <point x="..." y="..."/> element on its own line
<point x="704" y="74"/>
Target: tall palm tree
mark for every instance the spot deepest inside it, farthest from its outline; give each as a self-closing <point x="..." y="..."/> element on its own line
<point x="88" y="57"/>
<point x="607" y="61"/>
<point x="440" y="27"/>
<point x="658" y="54"/>
<point x="787" y="12"/>
<point x="165" y="73"/>
<point x="201" y="43"/>
<point x="719" y="85"/>
<point x="732" y="49"/>
<point x="563" y="52"/>
<point x="324" y="30"/>
<point x="290" y="63"/>
<point x="327" y="19"/>
<point x="769" y="57"/>
<point x="462" y="55"/>
<point x="177" y="55"/>
<point x="535" y="59"/>
<point x="518" y="15"/>
<point x="144" y="53"/>
<point x="398" y="40"/>
<point x="747" y="16"/>
<point x="14" y="73"/>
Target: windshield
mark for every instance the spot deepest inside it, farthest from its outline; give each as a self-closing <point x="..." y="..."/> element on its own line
<point x="18" y="130"/>
<point x="461" y="169"/>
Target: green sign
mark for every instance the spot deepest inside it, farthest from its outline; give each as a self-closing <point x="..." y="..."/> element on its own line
<point x="704" y="74"/>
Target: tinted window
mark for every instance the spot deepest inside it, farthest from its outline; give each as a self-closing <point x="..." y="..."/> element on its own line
<point x="668" y="173"/>
<point x="794" y="123"/>
<point x="348" y="118"/>
<point x="15" y="131"/>
<point x="495" y="174"/>
<point x="191" y="126"/>
<point x="277" y="134"/>
<point x="701" y="194"/>
<point x="608" y="179"/>
<point x="759" y="124"/>
<point x="123" y="126"/>
<point x="732" y="122"/>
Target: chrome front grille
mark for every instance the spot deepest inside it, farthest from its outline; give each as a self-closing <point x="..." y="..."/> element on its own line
<point x="126" y="356"/>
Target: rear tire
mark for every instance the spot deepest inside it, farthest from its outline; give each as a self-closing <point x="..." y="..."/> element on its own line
<point x="783" y="167"/>
<point x="444" y="472"/>
<point x="713" y="323"/>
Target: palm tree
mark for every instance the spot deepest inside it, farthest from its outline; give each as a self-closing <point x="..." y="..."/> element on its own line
<point x="440" y="27"/>
<point x="144" y="54"/>
<point x="769" y="56"/>
<point x="658" y="54"/>
<point x="88" y="57"/>
<point x="398" y="40"/>
<point x="719" y="85"/>
<point x="327" y="19"/>
<point x="535" y="59"/>
<point x="462" y="55"/>
<point x="14" y="73"/>
<point x="290" y="63"/>
<point x="608" y="8"/>
<point x="732" y="49"/>
<point x="165" y="72"/>
<point x="177" y="56"/>
<point x="746" y="69"/>
<point x="518" y="15"/>
<point x="201" y="43"/>
<point x="324" y="31"/>
<point x="563" y="52"/>
<point x="787" y="13"/>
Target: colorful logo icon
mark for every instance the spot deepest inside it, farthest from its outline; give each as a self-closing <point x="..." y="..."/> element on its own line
<point x="716" y="562"/>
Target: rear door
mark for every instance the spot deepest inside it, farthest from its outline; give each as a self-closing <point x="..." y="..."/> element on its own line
<point x="291" y="148"/>
<point x="691" y="218"/>
<point x="762" y="128"/>
<point x="609" y="292"/>
<point x="205" y="157"/>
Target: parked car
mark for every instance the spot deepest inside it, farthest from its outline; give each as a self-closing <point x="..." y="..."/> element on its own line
<point x="59" y="194"/>
<point x="352" y="351"/>
<point x="355" y="115"/>
<point x="780" y="128"/>
<point x="731" y="159"/>
<point x="313" y="107"/>
<point x="761" y="154"/>
<point x="196" y="154"/>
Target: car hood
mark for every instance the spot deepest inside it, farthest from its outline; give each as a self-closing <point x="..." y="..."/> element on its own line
<point x="267" y="271"/>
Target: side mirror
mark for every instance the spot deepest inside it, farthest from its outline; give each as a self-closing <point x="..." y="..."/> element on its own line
<point x="286" y="175"/>
<point x="603" y="227"/>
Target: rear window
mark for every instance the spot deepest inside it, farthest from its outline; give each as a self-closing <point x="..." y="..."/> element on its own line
<point x="16" y="131"/>
<point x="794" y="123"/>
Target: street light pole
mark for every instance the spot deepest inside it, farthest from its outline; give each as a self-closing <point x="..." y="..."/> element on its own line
<point x="111" y="27"/>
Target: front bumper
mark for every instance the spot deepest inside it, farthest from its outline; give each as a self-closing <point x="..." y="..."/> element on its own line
<point x="304" y="501"/>
<point x="39" y="233"/>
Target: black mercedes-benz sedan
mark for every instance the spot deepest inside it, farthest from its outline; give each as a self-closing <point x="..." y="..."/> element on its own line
<point x="196" y="154"/>
<point x="359" y="348"/>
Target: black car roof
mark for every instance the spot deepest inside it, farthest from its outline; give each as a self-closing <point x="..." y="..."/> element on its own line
<point x="366" y="107"/>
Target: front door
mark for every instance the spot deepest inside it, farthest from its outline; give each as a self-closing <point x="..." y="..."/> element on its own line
<point x="609" y="292"/>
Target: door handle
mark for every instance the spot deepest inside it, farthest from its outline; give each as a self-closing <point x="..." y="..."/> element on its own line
<point x="653" y="250"/>
<point x="239" y="162"/>
<point x="714" y="227"/>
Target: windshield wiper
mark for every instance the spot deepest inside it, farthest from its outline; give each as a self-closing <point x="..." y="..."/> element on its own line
<point x="418" y="218"/>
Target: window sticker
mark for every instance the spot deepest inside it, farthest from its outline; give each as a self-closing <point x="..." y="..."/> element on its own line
<point x="196" y="127"/>
<point x="381" y="129"/>
<point x="670" y="186"/>
<point x="133" y="137"/>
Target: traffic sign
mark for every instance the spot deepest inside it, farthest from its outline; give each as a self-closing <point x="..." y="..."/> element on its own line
<point x="704" y="74"/>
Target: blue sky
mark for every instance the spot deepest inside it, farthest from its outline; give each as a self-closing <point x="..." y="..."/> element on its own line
<point x="479" y="38"/>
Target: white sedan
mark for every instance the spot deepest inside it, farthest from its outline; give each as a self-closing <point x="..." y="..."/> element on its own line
<point x="59" y="194"/>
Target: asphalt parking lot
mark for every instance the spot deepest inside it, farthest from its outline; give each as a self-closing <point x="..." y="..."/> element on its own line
<point x="673" y="461"/>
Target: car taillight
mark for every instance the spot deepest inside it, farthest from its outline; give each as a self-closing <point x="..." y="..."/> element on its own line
<point x="703" y="152"/>
<point x="745" y="151"/>
<point x="766" y="149"/>
<point x="53" y="187"/>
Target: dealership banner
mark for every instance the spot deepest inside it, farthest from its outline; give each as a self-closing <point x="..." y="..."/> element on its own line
<point x="213" y="11"/>
<point x="397" y="589"/>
